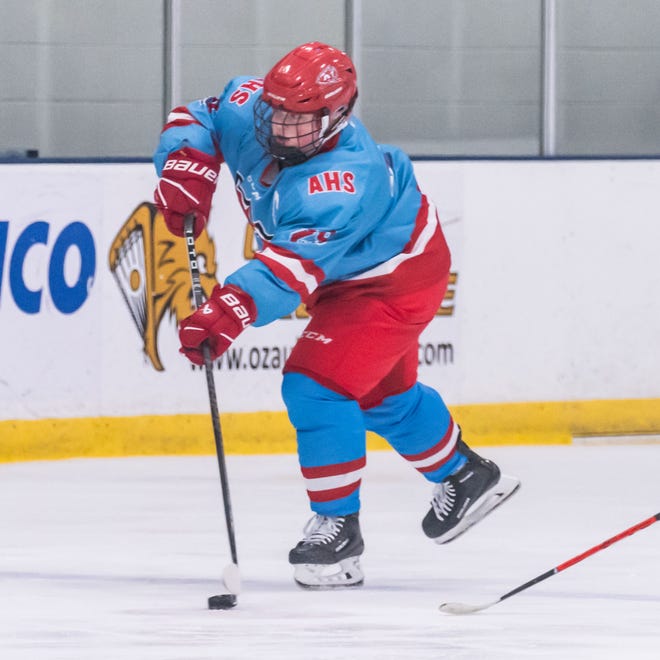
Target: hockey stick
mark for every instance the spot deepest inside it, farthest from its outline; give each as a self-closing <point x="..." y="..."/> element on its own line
<point x="462" y="608"/>
<point x="230" y="575"/>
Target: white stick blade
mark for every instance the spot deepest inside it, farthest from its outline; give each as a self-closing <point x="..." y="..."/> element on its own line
<point x="231" y="576"/>
<point x="463" y="608"/>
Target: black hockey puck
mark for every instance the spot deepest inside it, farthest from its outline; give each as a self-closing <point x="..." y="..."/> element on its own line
<point x="223" y="602"/>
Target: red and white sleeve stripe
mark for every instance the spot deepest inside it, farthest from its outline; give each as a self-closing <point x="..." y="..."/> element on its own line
<point x="302" y="275"/>
<point x="180" y="116"/>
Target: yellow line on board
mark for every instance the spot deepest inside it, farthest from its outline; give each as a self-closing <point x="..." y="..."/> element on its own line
<point x="271" y="433"/>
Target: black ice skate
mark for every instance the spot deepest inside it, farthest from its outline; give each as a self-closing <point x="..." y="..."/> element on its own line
<point x="329" y="555"/>
<point x="465" y="497"/>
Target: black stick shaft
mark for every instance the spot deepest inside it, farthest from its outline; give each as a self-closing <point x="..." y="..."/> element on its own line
<point x="198" y="297"/>
<point x="584" y="555"/>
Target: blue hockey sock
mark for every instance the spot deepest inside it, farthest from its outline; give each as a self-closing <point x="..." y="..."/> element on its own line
<point x="419" y="426"/>
<point x="331" y="444"/>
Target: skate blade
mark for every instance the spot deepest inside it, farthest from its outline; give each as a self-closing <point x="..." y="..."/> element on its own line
<point x="346" y="573"/>
<point x="490" y="500"/>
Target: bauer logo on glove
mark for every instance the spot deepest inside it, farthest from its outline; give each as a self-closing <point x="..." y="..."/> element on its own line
<point x="219" y="321"/>
<point x="193" y="167"/>
<point x="187" y="184"/>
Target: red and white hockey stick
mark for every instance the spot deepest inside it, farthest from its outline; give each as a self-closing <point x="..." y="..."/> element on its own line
<point x="463" y="608"/>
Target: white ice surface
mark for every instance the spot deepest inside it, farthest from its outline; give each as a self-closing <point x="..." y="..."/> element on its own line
<point x="114" y="559"/>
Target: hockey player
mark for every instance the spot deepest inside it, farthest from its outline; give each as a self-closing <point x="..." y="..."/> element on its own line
<point x="343" y="227"/>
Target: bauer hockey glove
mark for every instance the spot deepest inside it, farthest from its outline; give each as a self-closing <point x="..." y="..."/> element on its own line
<point x="186" y="185"/>
<point x="220" y="320"/>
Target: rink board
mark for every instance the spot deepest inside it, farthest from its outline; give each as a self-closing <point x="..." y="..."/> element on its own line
<point x="547" y="330"/>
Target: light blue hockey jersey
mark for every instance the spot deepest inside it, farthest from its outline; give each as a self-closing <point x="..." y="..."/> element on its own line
<point x="336" y="216"/>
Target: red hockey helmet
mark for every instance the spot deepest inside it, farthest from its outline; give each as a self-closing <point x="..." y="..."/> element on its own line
<point x="312" y="88"/>
<point x="311" y="78"/>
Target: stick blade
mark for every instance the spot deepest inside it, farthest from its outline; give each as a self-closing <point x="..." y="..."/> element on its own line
<point x="463" y="608"/>
<point x="231" y="576"/>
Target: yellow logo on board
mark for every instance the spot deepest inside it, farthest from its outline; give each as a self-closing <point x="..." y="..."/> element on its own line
<point x="150" y="266"/>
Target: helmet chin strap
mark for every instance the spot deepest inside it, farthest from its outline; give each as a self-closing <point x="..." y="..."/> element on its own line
<point x="325" y="122"/>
